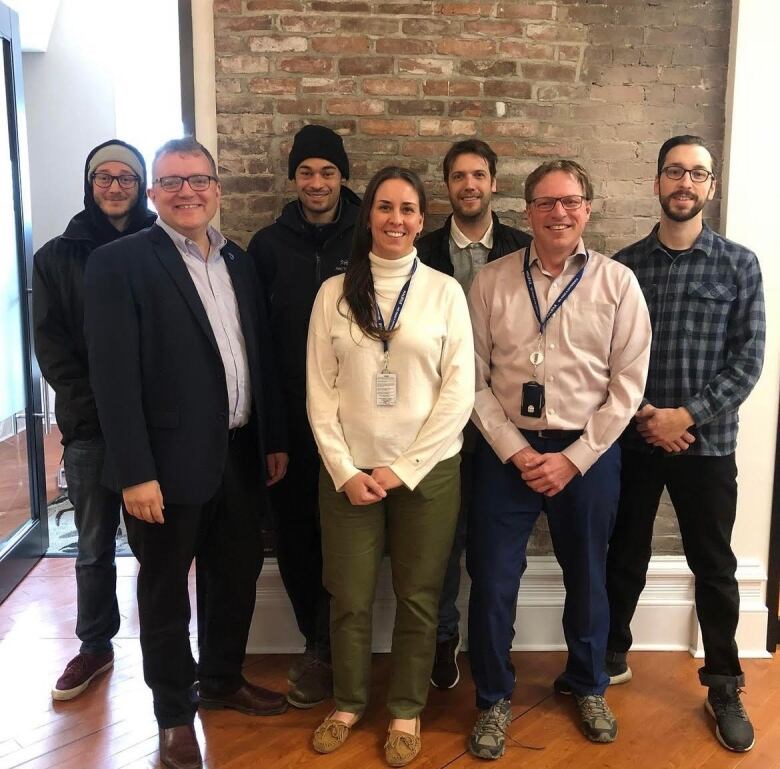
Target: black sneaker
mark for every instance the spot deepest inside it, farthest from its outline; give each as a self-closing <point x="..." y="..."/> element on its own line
<point x="617" y="668"/>
<point x="445" y="672"/>
<point x="488" y="737"/>
<point x="596" y="719"/>
<point x="734" y="730"/>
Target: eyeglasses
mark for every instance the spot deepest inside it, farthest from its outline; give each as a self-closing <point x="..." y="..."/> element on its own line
<point x="698" y="175"/>
<point x="569" y="203"/>
<point x="197" y="182"/>
<point x="104" y="181"/>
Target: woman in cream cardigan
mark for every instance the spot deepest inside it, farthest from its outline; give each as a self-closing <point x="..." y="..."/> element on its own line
<point x="390" y="380"/>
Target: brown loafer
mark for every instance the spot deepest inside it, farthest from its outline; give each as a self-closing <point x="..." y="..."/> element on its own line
<point x="402" y="748"/>
<point x="249" y="699"/>
<point x="179" y="748"/>
<point x="331" y="734"/>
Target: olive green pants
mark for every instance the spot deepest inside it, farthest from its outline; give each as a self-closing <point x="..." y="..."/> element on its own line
<point x="420" y="527"/>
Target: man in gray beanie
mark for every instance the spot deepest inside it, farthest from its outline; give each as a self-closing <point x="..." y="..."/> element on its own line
<point x="114" y="205"/>
<point x="308" y="243"/>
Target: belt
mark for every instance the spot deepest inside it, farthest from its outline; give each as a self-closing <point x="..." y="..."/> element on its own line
<point x="557" y="435"/>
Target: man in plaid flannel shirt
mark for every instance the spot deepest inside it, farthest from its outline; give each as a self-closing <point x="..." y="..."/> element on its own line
<point x="706" y="305"/>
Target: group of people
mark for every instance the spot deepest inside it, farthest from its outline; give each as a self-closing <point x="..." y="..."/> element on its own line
<point x="393" y="392"/>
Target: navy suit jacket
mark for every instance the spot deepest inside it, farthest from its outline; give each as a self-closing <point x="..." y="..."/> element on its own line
<point x="156" y="372"/>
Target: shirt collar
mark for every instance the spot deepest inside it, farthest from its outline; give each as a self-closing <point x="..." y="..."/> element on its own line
<point x="578" y="257"/>
<point x="461" y="241"/>
<point x="704" y="243"/>
<point x="217" y="240"/>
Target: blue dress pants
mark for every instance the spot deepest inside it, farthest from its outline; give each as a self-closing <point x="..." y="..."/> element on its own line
<point x="502" y="515"/>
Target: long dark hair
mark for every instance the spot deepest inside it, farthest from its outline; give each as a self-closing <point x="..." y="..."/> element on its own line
<point x="358" y="282"/>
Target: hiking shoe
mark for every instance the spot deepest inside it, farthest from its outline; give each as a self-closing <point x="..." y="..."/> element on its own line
<point x="79" y="672"/>
<point x="617" y="668"/>
<point x="487" y="738"/>
<point x="299" y="664"/>
<point x="314" y="685"/>
<point x="596" y="719"/>
<point x="734" y="730"/>
<point x="445" y="672"/>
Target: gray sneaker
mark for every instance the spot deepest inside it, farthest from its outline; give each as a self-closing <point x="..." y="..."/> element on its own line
<point x="596" y="719"/>
<point x="487" y="738"/>
<point x="314" y="685"/>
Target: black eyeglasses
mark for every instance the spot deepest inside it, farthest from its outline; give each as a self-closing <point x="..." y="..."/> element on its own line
<point x="197" y="182"/>
<point x="569" y="203"/>
<point x="104" y="181"/>
<point x="698" y="175"/>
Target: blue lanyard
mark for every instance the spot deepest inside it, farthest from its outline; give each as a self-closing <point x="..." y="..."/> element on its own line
<point x="399" y="305"/>
<point x="562" y="297"/>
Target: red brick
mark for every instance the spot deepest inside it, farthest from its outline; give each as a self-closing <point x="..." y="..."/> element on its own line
<point x="493" y="27"/>
<point x="273" y="85"/>
<point x="425" y="66"/>
<point x="308" y="24"/>
<point x="259" y="6"/>
<point x="241" y="24"/>
<point x="339" y="6"/>
<point x="512" y="89"/>
<point x="565" y="33"/>
<point x="509" y="128"/>
<point x="404" y="45"/>
<point x="388" y="127"/>
<point x="227" y="6"/>
<point x="467" y="108"/>
<point x="437" y="127"/>
<point x="567" y="53"/>
<point x="560" y="72"/>
<point x="355" y="107"/>
<point x="390" y="87"/>
<point x="520" y="49"/>
<point x="277" y="43"/>
<point x="406" y="9"/>
<point x="419" y="107"/>
<point x="488" y="68"/>
<point x="466" y="48"/>
<point x="305" y="106"/>
<point x="426" y="149"/>
<point x="241" y="64"/>
<point x="242" y="104"/>
<point x="365" y="65"/>
<point x="432" y="27"/>
<point x="559" y="92"/>
<point x="308" y="65"/>
<point x="339" y="44"/>
<point x="514" y="10"/>
<point x="372" y="26"/>
<point x="463" y="9"/>
<point x="228" y="85"/>
<point x="328" y="85"/>
<point x="557" y="149"/>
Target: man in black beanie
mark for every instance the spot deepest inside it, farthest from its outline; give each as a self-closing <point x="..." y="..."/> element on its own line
<point x="307" y="244"/>
<point x="114" y="205"/>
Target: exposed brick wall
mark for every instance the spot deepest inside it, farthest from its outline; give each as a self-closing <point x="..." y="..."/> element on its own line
<point x="603" y="82"/>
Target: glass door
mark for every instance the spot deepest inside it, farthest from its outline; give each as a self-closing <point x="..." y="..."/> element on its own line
<point x="23" y="532"/>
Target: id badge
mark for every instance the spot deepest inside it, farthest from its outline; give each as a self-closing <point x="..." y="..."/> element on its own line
<point x="386" y="388"/>
<point x="533" y="399"/>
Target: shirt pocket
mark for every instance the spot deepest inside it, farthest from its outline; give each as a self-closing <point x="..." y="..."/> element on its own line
<point x="707" y="308"/>
<point x="590" y="327"/>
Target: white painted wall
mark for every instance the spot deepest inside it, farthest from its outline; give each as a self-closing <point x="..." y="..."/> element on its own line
<point x="751" y="201"/>
<point x="111" y="71"/>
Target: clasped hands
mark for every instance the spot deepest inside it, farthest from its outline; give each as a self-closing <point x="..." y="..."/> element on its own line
<point x="544" y="473"/>
<point x="365" y="489"/>
<point x="667" y="428"/>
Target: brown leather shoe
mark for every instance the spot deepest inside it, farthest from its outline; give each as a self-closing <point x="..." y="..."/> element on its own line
<point x="249" y="699"/>
<point x="179" y="748"/>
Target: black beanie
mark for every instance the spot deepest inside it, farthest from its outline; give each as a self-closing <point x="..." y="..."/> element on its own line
<point x="317" y="141"/>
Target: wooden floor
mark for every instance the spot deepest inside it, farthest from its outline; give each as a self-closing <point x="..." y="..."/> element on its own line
<point x="662" y="722"/>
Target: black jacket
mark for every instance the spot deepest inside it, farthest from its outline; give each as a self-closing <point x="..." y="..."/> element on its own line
<point x="434" y="248"/>
<point x="293" y="258"/>
<point x="156" y="370"/>
<point x="58" y="308"/>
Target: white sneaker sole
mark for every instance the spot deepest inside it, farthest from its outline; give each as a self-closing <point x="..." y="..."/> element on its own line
<point x="61" y="695"/>
<point x="621" y="678"/>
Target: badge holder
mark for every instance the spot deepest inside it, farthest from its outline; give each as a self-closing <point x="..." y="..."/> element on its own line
<point x="532" y="403"/>
<point x="386" y="385"/>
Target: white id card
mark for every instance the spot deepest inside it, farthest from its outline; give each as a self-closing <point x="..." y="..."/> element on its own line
<point x="386" y="388"/>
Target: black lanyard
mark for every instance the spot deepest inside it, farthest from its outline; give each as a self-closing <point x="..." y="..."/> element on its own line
<point x="399" y="305"/>
<point x="562" y="297"/>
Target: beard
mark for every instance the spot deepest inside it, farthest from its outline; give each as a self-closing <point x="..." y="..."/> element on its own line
<point x="471" y="214"/>
<point x="682" y="216"/>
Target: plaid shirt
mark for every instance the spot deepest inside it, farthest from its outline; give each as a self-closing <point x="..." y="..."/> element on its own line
<point x="707" y="313"/>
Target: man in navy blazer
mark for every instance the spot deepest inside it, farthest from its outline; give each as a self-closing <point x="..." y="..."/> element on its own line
<point x="180" y="362"/>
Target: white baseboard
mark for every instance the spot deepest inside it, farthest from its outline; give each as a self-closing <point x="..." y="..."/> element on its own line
<point x="665" y="618"/>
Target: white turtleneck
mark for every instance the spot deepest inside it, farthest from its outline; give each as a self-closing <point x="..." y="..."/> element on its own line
<point x="432" y="355"/>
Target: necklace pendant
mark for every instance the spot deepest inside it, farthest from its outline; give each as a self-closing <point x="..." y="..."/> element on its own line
<point x="536" y="357"/>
